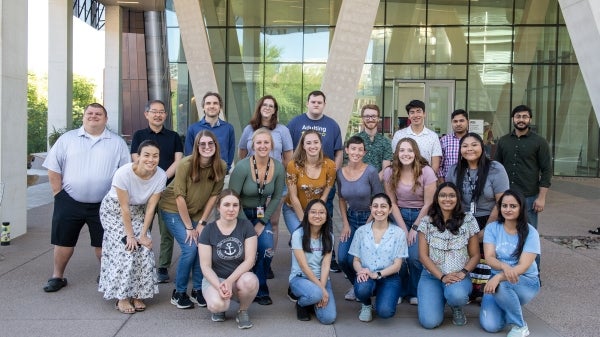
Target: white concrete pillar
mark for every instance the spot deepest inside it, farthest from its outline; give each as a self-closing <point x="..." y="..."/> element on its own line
<point x="60" y="64"/>
<point x="197" y="50"/>
<point x="583" y="23"/>
<point x="113" y="90"/>
<point x="13" y="115"/>
<point x="347" y="57"/>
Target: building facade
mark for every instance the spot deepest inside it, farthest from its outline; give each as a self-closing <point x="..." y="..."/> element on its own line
<point x="485" y="56"/>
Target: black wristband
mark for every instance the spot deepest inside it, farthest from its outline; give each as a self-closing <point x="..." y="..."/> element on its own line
<point x="465" y="271"/>
<point x="189" y="229"/>
<point x="442" y="278"/>
<point x="203" y="223"/>
<point x="415" y="227"/>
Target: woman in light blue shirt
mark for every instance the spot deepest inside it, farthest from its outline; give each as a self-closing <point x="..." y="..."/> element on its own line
<point x="378" y="249"/>
<point x="511" y="246"/>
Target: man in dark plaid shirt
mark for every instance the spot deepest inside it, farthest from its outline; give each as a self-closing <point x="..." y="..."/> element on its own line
<point x="449" y="142"/>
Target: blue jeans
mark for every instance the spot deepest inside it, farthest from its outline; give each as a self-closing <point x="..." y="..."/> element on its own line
<point x="411" y="267"/>
<point x="355" y="219"/>
<point x="310" y="294"/>
<point x="289" y="216"/>
<point x="532" y="218"/>
<point x="189" y="260"/>
<point x="434" y="294"/>
<point x="264" y="252"/>
<point x="387" y="291"/>
<point x="504" y="306"/>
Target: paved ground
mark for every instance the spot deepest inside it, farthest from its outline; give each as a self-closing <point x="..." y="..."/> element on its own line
<point x="568" y="304"/>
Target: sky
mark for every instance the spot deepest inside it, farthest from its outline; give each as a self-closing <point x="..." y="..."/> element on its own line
<point x="88" y="45"/>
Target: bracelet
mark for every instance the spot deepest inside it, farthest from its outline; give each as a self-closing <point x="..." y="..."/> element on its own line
<point x="442" y="278"/>
<point x="465" y="271"/>
<point x="203" y="223"/>
<point x="189" y="229"/>
<point x="414" y="227"/>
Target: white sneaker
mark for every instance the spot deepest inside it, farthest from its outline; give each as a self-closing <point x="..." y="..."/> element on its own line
<point x="518" y="331"/>
<point x="413" y="301"/>
<point x="366" y="313"/>
<point x="399" y="300"/>
<point x="350" y="296"/>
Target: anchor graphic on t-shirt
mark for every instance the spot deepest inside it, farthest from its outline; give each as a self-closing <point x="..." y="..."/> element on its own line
<point x="229" y="249"/>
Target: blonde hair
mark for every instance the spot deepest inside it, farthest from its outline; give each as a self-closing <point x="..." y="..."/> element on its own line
<point x="300" y="154"/>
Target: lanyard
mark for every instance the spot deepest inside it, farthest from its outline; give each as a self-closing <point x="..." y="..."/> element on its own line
<point x="261" y="188"/>
<point x="472" y="184"/>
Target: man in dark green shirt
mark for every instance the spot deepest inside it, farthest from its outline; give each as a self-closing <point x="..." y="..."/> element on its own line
<point x="526" y="158"/>
<point x="379" y="148"/>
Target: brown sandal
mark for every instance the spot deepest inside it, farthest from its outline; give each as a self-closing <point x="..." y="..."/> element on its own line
<point x="125" y="309"/>
<point x="138" y="304"/>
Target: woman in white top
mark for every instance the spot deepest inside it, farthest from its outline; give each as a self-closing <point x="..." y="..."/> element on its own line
<point x="127" y="264"/>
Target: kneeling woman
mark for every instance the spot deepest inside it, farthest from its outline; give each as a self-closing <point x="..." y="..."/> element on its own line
<point x="126" y="212"/>
<point x="510" y="246"/>
<point x="378" y="249"/>
<point x="312" y="244"/>
<point x="448" y="250"/>
<point x="227" y="249"/>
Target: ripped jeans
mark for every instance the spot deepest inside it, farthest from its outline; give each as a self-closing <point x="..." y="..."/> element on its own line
<point x="264" y="252"/>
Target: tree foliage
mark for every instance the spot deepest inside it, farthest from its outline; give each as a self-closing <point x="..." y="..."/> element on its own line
<point x="37" y="117"/>
<point x="83" y="94"/>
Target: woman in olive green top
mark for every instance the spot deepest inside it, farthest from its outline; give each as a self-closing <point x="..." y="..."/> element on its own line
<point x="256" y="179"/>
<point x="185" y="206"/>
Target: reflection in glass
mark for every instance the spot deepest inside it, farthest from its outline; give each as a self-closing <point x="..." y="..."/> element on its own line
<point x="284" y="13"/>
<point x="316" y="44"/>
<point x="284" y="44"/>
<point x="246" y="13"/>
<point x="405" y="12"/>
<point x="245" y="45"/>
<point x="535" y="44"/>
<point x="216" y="39"/>
<point x="491" y="12"/>
<point x="406" y="45"/>
<point x="320" y="12"/>
<point x="490" y="44"/>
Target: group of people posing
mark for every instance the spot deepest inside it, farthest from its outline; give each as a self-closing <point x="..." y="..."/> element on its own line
<point x="418" y="223"/>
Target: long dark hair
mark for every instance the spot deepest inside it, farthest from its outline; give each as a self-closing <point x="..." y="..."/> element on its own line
<point x="216" y="172"/>
<point x="325" y="231"/>
<point x="483" y="167"/>
<point x="522" y="225"/>
<point x="437" y="217"/>
<point x="256" y="120"/>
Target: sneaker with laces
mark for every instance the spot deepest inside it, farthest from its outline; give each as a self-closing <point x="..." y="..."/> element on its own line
<point x="291" y="295"/>
<point x="198" y="298"/>
<point x="218" y="316"/>
<point x="413" y="301"/>
<point x="518" y="331"/>
<point x="350" y="296"/>
<point x="162" y="275"/>
<point x="366" y="313"/>
<point x="243" y="320"/>
<point x="181" y="300"/>
<point x="458" y="316"/>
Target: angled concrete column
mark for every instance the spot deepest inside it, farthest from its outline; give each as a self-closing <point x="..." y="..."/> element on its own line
<point x="60" y="64"/>
<point x="197" y="49"/>
<point x="13" y="115"/>
<point x="347" y="57"/>
<point x="113" y="93"/>
<point x="583" y="23"/>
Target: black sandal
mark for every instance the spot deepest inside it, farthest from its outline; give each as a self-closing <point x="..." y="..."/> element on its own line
<point x="597" y="231"/>
<point x="55" y="284"/>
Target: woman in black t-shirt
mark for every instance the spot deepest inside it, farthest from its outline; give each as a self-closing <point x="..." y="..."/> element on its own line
<point x="227" y="249"/>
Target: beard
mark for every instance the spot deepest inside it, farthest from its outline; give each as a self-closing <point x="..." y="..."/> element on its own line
<point x="521" y="128"/>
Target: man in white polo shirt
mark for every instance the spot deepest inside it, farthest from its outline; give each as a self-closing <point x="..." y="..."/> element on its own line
<point x="427" y="139"/>
<point x="80" y="167"/>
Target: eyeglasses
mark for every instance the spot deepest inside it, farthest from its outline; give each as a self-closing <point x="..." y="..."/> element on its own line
<point x="209" y="144"/>
<point x="522" y="116"/>
<point x="265" y="105"/>
<point x="370" y="117"/>
<point x="157" y="112"/>
<point x="447" y="196"/>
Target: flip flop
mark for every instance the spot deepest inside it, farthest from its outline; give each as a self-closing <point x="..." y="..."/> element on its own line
<point x="55" y="284"/>
<point x="597" y="231"/>
<point x="128" y="310"/>
<point x="138" y="304"/>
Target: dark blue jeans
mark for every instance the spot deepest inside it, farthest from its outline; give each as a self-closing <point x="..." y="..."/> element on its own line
<point x="355" y="220"/>
<point x="411" y="270"/>
<point x="387" y="291"/>
<point x="264" y="252"/>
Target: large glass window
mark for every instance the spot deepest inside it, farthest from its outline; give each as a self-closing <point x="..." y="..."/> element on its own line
<point x="497" y="53"/>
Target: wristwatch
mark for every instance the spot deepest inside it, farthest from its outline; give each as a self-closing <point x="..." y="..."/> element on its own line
<point x="379" y="276"/>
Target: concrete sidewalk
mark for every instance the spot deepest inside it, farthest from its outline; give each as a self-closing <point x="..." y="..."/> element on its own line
<point x="568" y="304"/>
